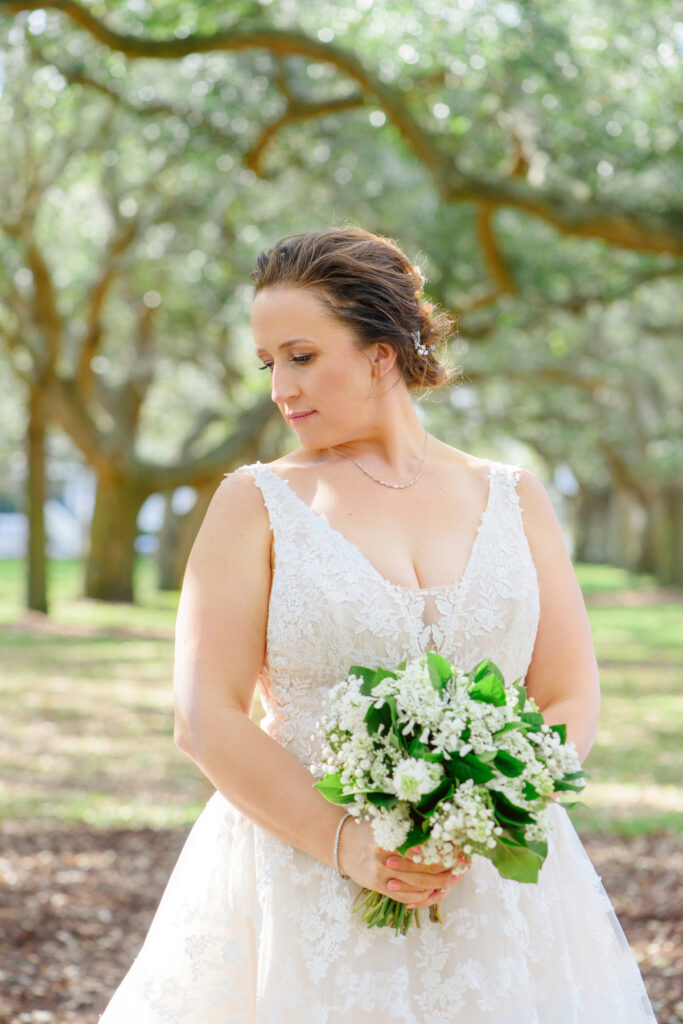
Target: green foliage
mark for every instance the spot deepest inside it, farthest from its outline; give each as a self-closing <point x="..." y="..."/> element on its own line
<point x="440" y="671"/>
<point x="568" y="344"/>
<point x="331" y="788"/>
<point x="517" y="862"/>
<point x="490" y="690"/>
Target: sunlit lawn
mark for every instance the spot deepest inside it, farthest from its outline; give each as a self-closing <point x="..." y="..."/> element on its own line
<point x="86" y="706"/>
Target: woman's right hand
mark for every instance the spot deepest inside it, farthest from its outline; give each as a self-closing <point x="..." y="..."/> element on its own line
<point x="385" y="871"/>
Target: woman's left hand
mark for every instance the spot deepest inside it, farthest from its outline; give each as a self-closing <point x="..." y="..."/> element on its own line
<point x="402" y="867"/>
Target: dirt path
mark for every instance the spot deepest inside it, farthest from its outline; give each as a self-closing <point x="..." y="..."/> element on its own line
<point x="76" y="901"/>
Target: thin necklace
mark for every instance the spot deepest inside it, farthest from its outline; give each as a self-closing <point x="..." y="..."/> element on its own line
<point x="385" y="483"/>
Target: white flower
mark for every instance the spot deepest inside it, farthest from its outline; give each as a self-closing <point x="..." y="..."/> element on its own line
<point x="413" y="778"/>
<point x="390" y="827"/>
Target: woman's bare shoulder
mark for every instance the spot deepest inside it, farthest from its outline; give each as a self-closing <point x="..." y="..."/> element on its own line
<point x="449" y="457"/>
<point x="236" y="514"/>
<point x="299" y="465"/>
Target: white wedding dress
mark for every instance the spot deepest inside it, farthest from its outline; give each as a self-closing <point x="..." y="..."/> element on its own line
<point x="251" y="930"/>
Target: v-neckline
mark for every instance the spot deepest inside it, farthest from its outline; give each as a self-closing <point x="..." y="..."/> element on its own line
<point x="399" y="587"/>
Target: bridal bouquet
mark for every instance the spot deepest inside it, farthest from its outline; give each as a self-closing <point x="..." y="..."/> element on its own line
<point x="456" y="763"/>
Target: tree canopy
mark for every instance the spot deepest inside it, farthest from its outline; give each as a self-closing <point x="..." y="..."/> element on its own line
<point x="522" y="153"/>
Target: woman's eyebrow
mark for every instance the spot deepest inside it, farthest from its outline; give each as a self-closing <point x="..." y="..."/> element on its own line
<point x="287" y="344"/>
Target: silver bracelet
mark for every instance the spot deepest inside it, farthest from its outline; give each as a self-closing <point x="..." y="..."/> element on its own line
<point x="336" y="845"/>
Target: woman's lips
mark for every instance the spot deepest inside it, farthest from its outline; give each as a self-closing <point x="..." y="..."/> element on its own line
<point x="296" y="417"/>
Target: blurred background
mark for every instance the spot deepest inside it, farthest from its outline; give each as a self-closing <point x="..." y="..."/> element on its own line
<point x="527" y="156"/>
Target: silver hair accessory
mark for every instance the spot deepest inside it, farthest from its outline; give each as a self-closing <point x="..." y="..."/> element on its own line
<point x="420" y="348"/>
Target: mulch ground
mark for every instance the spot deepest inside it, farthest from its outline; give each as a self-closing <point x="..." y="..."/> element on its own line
<point x="76" y="902"/>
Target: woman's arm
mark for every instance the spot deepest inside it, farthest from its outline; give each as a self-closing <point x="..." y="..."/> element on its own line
<point x="563" y="674"/>
<point x="219" y="653"/>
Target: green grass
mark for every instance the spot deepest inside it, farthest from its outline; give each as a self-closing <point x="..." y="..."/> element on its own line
<point x="636" y="764"/>
<point x="607" y="579"/>
<point x="86" y="699"/>
<point x="153" y="608"/>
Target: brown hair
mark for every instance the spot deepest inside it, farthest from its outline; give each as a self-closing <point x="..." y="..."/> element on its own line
<point x="370" y="285"/>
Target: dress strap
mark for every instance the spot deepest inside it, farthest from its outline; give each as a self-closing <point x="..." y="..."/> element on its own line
<point x="504" y="495"/>
<point x="274" y="493"/>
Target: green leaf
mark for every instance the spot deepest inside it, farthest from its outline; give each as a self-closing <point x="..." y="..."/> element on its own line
<point x="382" y="799"/>
<point x="419" y="749"/>
<point x="508" y="765"/>
<point x="509" y="726"/>
<point x="331" y="788"/>
<point x="487" y="756"/>
<point x="366" y="674"/>
<point x="383" y="673"/>
<point x="440" y="670"/>
<point x="414" y="838"/>
<point x="516" y="862"/>
<point x="508" y="811"/>
<point x="430" y="801"/>
<point x="486" y="668"/>
<point x="521" y="699"/>
<point x="530" y="792"/>
<point x="376" y="718"/>
<point x="468" y="767"/>
<point x="573" y="787"/>
<point x="561" y="731"/>
<point x="539" y="847"/>
<point x="489" y="690"/>
<point x="533" y="718"/>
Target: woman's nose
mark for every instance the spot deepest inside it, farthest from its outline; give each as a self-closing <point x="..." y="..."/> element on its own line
<point x="282" y="385"/>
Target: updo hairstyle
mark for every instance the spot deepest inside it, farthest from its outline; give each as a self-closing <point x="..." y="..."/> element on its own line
<point x="370" y="285"/>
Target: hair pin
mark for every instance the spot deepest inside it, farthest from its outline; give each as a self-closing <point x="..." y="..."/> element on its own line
<point x="420" y="348"/>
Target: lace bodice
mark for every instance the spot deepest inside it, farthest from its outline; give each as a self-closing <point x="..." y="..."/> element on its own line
<point x="330" y="608"/>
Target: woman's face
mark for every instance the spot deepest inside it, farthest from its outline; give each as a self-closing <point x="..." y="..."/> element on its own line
<point x="320" y="380"/>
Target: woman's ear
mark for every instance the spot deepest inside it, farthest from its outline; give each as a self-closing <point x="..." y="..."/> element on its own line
<point x="383" y="358"/>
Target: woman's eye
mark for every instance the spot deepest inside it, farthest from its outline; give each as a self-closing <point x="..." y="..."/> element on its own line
<point x="295" y="359"/>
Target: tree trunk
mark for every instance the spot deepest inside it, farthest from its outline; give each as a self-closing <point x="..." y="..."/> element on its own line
<point x="592" y="521"/>
<point x="36" y="580"/>
<point x="625" y="524"/>
<point x="111" y="556"/>
<point x="177" y="536"/>
<point x="662" y="549"/>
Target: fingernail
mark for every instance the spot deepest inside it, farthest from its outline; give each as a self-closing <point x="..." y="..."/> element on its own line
<point x="394" y="885"/>
<point x="411" y="906"/>
<point x="454" y="878"/>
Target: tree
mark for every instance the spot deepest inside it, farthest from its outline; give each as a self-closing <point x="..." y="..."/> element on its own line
<point x="66" y="330"/>
<point x="496" y="148"/>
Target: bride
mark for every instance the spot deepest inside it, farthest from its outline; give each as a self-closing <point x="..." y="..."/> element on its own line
<point x="372" y="542"/>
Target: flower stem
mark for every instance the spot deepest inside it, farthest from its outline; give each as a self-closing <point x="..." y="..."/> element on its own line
<point x="378" y="911"/>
